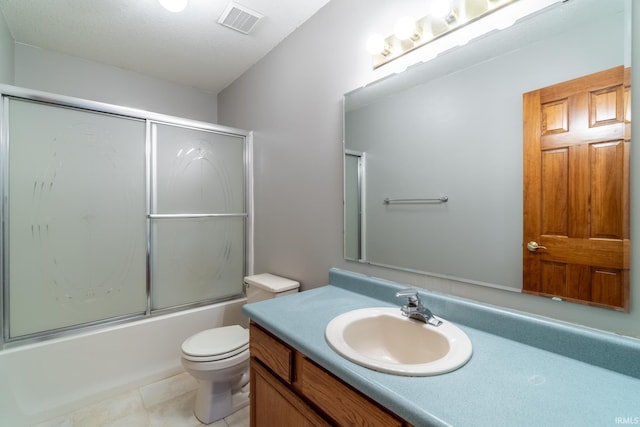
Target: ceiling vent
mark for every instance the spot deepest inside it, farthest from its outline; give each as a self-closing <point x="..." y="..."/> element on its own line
<point x="239" y="18"/>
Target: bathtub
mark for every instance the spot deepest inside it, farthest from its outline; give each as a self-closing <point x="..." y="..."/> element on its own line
<point x="47" y="379"/>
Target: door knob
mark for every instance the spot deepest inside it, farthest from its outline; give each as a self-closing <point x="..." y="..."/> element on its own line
<point x="534" y="246"/>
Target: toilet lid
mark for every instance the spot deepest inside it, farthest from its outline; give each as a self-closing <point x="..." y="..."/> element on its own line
<point x="217" y="342"/>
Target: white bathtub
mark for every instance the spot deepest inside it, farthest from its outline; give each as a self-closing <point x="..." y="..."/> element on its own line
<point x="48" y="379"/>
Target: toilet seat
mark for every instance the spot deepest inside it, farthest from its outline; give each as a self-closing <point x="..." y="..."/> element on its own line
<point x="216" y="344"/>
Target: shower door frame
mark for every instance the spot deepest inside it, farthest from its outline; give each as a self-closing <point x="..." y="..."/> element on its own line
<point x="8" y="92"/>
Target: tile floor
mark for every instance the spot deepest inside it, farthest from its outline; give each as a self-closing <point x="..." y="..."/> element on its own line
<point x="166" y="403"/>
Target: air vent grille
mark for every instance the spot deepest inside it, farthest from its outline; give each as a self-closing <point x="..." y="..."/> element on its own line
<point x="239" y="18"/>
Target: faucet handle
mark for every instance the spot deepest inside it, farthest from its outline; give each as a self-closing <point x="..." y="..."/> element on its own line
<point x="412" y="296"/>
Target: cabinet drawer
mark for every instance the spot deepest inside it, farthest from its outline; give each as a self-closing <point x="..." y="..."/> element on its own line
<point x="270" y="351"/>
<point x="339" y="401"/>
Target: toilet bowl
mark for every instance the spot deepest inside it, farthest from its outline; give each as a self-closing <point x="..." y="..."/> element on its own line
<point x="219" y="358"/>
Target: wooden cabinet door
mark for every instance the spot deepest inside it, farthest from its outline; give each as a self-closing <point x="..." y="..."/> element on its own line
<point x="273" y="404"/>
<point x="576" y="189"/>
<point x="344" y="405"/>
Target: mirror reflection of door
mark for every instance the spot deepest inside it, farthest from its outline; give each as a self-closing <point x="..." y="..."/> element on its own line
<point x="576" y="190"/>
<point x="353" y="193"/>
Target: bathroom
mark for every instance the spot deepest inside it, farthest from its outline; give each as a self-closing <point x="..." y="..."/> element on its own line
<point x="292" y="101"/>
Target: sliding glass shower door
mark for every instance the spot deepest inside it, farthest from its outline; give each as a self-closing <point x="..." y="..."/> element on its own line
<point x="76" y="225"/>
<point x="110" y="217"/>
<point x="197" y="215"/>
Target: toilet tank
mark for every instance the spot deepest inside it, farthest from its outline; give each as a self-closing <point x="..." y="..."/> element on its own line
<point x="266" y="286"/>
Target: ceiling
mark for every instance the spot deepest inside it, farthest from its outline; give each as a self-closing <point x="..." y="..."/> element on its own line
<point x="188" y="47"/>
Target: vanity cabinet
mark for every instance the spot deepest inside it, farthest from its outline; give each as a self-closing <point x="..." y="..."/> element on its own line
<point x="287" y="388"/>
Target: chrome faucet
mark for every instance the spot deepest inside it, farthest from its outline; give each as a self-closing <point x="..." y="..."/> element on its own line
<point x="414" y="308"/>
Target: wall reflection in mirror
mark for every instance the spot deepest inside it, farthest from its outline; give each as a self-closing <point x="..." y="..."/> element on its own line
<point x="453" y="127"/>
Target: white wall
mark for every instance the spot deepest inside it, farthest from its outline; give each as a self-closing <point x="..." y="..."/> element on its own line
<point x="6" y="53"/>
<point x="67" y="75"/>
<point x="292" y="100"/>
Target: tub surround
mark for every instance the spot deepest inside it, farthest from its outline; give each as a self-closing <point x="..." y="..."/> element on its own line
<point x="525" y="370"/>
<point x="47" y="379"/>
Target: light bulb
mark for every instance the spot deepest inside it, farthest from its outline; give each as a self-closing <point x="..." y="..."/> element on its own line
<point x="376" y="44"/>
<point x="440" y="8"/>
<point x="174" y="5"/>
<point x="405" y="28"/>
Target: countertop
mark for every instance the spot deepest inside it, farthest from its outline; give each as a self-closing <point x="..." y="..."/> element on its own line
<point x="507" y="382"/>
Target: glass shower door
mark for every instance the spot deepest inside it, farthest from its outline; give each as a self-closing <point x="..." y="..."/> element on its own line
<point x="197" y="215"/>
<point x="109" y="214"/>
<point x="76" y="230"/>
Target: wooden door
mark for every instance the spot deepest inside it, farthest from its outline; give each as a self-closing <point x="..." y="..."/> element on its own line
<point x="274" y="404"/>
<point x="576" y="190"/>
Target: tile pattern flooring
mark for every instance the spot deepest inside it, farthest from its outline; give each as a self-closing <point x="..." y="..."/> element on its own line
<point x="166" y="403"/>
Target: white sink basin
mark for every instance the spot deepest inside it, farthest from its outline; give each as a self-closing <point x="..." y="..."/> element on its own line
<point x="383" y="339"/>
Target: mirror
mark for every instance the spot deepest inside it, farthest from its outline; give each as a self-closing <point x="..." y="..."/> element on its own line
<point x="453" y="128"/>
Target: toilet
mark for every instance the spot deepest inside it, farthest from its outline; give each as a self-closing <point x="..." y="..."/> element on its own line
<point x="219" y="358"/>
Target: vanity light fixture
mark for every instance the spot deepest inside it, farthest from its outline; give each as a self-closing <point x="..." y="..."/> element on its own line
<point x="405" y="28"/>
<point x="444" y="10"/>
<point x="443" y="17"/>
<point x="377" y="45"/>
<point x="174" y="5"/>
